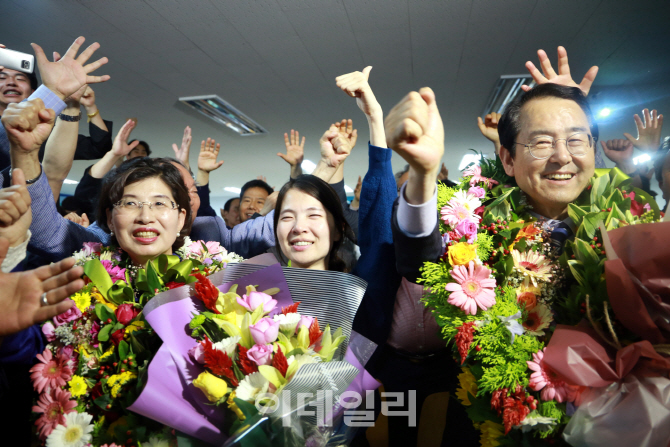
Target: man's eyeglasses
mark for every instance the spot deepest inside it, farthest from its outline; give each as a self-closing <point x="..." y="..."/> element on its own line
<point x="544" y="146"/>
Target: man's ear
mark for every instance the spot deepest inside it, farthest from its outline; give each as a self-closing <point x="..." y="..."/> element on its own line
<point x="507" y="161"/>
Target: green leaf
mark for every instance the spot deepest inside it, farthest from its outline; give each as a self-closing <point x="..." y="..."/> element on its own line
<point x="153" y="280"/>
<point x="248" y="410"/>
<point x="124" y="350"/>
<point x="599" y="186"/>
<point x="103" y="335"/>
<point x="104" y="313"/>
<point x="584" y="253"/>
<point x="480" y="410"/>
<point x="577" y="270"/>
<point x="98" y="274"/>
<point x="103" y="401"/>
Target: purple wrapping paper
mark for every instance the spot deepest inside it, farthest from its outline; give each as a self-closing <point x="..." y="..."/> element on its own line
<point x="169" y="396"/>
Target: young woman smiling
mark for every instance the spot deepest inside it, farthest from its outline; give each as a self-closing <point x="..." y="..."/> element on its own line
<point x="309" y="224"/>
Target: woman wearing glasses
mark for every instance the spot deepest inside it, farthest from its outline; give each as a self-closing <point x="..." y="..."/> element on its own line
<point x="144" y="204"/>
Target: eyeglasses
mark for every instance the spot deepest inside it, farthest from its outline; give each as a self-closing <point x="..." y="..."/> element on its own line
<point x="160" y="206"/>
<point x="544" y="146"/>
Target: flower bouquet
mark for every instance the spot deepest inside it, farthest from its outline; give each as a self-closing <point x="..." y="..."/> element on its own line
<point x="502" y="285"/>
<point x="95" y="364"/>
<point x="245" y="362"/>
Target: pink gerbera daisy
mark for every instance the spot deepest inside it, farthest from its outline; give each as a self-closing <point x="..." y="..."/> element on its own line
<point x="472" y="288"/>
<point x="53" y="372"/>
<point x="454" y="213"/>
<point x="546" y="380"/>
<point x="53" y="405"/>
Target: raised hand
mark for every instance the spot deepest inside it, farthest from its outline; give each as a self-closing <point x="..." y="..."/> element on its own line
<point x="260" y="177"/>
<point x="2" y="46"/>
<point x="489" y="128"/>
<point x="648" y="133"/>
<point x="121" y="148"/>
<point x="563" y="77"/>
<point x="209" y="151"/>
<point x="414" y="130"/>
<point x="22" y="292"/>
<point x="444" y="173"/>
<point x="15" y="212"/>
<point x="181" y="153"/>
<point x="620" y="152"/>
<point x="69" y="74"/>
<point x="28" y="124"/>
<point x="295" y="149"/>
<point x="357" y="194"/>
<point x="356" y="85"/>
<point x="88" y="100"/>
<point x="80" y="220"/>
<point x="347" y="136"/>
<point x="332" y="156"/>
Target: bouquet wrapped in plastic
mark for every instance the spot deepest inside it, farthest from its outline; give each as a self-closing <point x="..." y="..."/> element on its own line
<point x="628" y="400"/>
<point x="250" y="364"/>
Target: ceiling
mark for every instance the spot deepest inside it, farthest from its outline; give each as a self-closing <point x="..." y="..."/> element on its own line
<point x="276" y="61"/>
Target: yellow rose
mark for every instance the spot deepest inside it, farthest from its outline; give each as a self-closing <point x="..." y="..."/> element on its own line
<point x="213" y="387"/>
<point x="461" y="253"/>
<point x="233" y="406"/>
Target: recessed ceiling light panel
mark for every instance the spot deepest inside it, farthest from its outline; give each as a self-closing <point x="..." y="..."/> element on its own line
<point x="223" y="113"/>
<point x="506" y="89"/>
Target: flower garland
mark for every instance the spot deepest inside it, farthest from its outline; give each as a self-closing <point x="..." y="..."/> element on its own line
<point x="246" y="353"/>
<point x="98" y="352"/>
<point x="500" y="288"/>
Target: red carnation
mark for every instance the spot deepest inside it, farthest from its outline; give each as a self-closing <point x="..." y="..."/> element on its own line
<point x="464" y="337"/>
<point x="218" y="362"/>
<point x="293" y="308"/>
<point x="279" y="362"/>
<point x="314" y="332"/>
<point x="247" y="366"/>
<point x="480" y="211"/>
<point x="207" y="292"/>
<point x="117" y="337"/>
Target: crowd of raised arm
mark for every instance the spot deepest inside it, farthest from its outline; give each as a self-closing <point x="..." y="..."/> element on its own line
<point x="390" y="223"/>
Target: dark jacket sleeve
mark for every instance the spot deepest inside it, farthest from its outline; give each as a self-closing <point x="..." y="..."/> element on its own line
<point x="351" y="216"/>
<point x="377" y="263"/>
<point x="87" y="194"/>
<point x="92" y="147"/>
<point x="205" y="207"/>
<point x="412" y="252"/>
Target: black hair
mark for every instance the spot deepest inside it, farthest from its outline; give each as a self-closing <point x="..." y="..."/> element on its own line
<point x="229" y="203"/>
<point x="256" y="184"/>
<point x="324" y="193"/>
<point x="135" y="170"/>
<point x="509" y="125"/>
<point x="143" y="143"/>
<point x="660" y="156"/>
<point x="71" y="204"/>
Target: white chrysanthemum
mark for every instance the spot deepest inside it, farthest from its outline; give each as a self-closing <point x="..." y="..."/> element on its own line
<point x="251" y="386"/>
<point x="75" y="433"/>
<point x="156" y="442"/>
<point x="227" y="345"/>
<point x="80" y="257"/>
<point x="228" y="257"/>
<point x="536" y="422"/>
<point x="469" y="202"/>
<point x="106" y="256"/>
<point x="288" y="322"/>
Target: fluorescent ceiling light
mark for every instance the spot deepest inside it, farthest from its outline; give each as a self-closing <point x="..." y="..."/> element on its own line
<point x="232" y="189"/>
<point x="641" y="159"/>
<point x="223" y="113"/>
<point x="348" y="190"/>
<point x="506" y="89"/>
<point x="469" y="158"/>
<point x="67" y="181"/>
<point x="308" y="166"/>
<point x="605" y="112"/>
